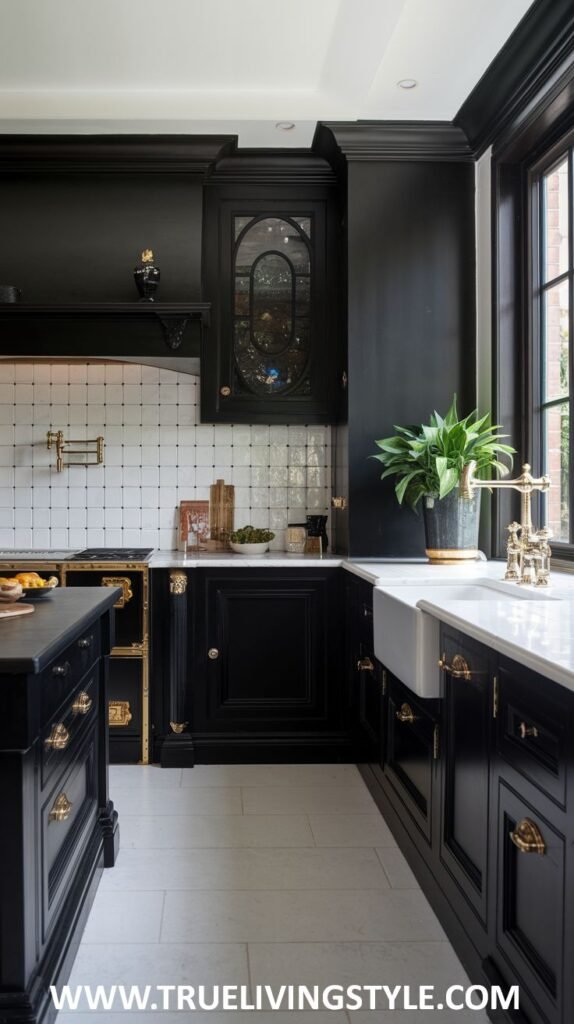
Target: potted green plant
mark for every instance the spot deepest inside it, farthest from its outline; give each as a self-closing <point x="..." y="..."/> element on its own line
<point x="428" y="462"/>
<point x="250" y="540"/>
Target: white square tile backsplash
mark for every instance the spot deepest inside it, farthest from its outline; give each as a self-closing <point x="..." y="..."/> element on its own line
<point x="156" y="454"/>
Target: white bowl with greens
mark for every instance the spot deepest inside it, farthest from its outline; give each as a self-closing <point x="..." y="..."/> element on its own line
<point x="250" y="541"/>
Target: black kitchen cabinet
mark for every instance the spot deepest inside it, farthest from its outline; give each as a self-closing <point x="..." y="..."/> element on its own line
<point x="259" y="666"/>
<point x="365" y="676"/>
<point x="488" y="826"/>
<point x="61" y="829"/>
<point x="467" y="717"/>
<point x="412" y="749"/>
<point x="270" y="269"/>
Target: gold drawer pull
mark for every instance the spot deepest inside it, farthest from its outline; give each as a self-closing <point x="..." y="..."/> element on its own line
<point x="527" y="731"/>
<point x="365" y="665"/>
<point x="527" y="837"/>
<point x="61" y="670"/>
<point x="61" y="809"/>
<point x="59" y="737"/>
<point x="405" y="714"/>
<point x="213" y="653"/>
<point x="459" y="668"/>
<point x="82" y="704"/>
<point x="225" y="391"/>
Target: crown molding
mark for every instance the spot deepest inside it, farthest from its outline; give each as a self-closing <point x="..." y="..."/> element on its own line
<point x="395" y="140"/>
<point x="533" y="67"/>
<point x="273" y="167"/>
<point x="115" y="154"/>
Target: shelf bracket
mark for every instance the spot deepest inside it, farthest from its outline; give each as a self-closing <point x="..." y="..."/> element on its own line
<point x="173" y="330"/>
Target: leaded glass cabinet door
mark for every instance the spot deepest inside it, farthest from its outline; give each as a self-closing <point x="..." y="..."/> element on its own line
<point x="271" y="353"/>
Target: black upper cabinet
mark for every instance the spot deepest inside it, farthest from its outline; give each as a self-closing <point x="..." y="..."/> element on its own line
<point x="270" y="274"/>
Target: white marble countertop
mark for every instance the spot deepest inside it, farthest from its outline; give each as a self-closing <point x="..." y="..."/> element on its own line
<point x="538" y="633"/>
<point x="231" y="560"/>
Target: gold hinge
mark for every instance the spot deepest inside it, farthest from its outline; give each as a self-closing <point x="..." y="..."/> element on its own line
<point x="435" y="743"/>
<point x="384" y="682"/>
<point x="495" y="696"/>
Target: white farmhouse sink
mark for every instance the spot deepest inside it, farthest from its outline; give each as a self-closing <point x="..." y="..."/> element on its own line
<point x="407" y="638"/>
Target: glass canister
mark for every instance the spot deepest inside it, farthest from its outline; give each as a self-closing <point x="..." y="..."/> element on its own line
<point x="296" y="538"/>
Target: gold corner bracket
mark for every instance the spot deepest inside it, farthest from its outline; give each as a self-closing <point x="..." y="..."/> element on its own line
<point x="95" y="448"/>
<point x="177" y="582"/>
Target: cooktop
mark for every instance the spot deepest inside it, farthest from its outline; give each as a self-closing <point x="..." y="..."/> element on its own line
<point x="88" y="555"/>
<point x="112" y="555"/>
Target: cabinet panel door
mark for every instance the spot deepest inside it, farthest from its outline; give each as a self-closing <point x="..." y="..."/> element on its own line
<point x="530" y="902"/>
<point x="464" y="824"/>
<point x="270" y="662"/>
<point x="411" y="749"/>
<point x="272" y="355"/>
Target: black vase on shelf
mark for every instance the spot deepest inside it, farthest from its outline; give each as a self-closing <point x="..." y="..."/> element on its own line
<point x="146" y="277"/>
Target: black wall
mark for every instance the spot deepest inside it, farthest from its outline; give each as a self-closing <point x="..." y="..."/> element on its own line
<point x="411" y="320"/>
<point x="77" y="237"/>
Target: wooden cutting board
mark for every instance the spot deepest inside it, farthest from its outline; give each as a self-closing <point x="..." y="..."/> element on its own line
<point x="10" y="611"/>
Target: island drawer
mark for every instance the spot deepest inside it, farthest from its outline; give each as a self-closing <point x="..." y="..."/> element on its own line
<point x="68" y="814"/>
<point x="62" y="676"/>
<point x="532" y="728"/>
<point x="411" y="750"/>
<point x="64" y="731"/>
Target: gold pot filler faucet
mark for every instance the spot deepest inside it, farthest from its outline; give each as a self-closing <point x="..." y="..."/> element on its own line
<point x="528" y="550"/>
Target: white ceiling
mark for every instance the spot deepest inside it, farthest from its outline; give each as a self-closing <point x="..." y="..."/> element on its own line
<point x="240" y="66"/>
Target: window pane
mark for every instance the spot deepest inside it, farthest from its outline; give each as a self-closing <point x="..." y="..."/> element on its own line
<point x="556" y="427"/>
<point x="555" y="338"/>
<point x="555" y="207"/>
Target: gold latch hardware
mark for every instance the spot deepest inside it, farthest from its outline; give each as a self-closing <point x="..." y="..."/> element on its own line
<point x="528" y="838"/>
<point x="119" y="713"/>
<point x="61" y="809"/>
<point x="82" y="704"/>
<point x="528" y="731"/>
<point x="405" y="714"/>
<point x="459" y="668"/>
<point x="365" y="665"/>
<point x="126" y="586"/>
<point x="59" y="737"/>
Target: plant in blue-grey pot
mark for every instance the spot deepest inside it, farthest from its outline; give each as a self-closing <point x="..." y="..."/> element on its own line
<point x="427" y="462"/>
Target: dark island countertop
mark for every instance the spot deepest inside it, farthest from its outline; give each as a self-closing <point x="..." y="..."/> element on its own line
<point x="29" y="642"/>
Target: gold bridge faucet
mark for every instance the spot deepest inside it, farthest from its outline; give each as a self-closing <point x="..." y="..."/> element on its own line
<point x="528" y="550"/>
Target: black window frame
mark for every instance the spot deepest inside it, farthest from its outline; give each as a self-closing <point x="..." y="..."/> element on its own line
<point x="551" y="157"/>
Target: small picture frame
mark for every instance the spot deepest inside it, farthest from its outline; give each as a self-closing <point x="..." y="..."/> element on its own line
<point x="193" y="527"/>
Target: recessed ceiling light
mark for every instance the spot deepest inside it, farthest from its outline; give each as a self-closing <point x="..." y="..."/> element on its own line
<point x="285" y="126"/>
<point x="407" y="83"/>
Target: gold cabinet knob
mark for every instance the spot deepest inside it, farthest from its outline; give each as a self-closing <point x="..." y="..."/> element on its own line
<point x="213" y="653"/>
<point x="85" y="642"/>
<point x="225" y="391"/>
<point x="365" y="665"/>
<point x="405" y="714"/>
<point x="459" y="669"/>
<point x="82" y="704"/>
<point x="528" y="731"/>
<point x="59" y="737"/>
<point x="528" y="838"/>
<point x="61" y="809"/>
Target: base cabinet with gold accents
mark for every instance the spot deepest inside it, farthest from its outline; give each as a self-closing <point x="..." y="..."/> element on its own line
<point x="60" y="828"/>
<point x="485" y="816"/>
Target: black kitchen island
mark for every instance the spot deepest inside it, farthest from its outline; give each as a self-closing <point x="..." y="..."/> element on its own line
<point x="59" y="829"/>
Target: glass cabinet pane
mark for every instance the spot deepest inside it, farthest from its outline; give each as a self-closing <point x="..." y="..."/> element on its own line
<point x="272" y="303"/>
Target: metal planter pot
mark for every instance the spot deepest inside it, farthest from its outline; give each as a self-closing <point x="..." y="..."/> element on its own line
<point x="451" y="527"/>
